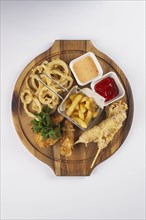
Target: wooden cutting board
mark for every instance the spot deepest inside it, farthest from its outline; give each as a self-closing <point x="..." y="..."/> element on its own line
<point x="79" y="163"/>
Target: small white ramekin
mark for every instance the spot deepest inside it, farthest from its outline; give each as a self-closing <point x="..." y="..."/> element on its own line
<point x="98" y="66"/>
<point x="118" y="83"/>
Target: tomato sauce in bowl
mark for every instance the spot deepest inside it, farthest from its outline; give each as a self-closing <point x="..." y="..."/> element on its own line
<point x="107" y="88"/>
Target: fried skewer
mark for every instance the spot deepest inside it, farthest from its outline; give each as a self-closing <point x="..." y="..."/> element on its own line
<point x="105" y="131"/>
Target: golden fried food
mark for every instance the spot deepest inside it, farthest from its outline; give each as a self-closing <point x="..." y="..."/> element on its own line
<point x="59" y="64"/>
<point x="105" y="131"/>
<point x="74" y="104"/>
<point x="67" y="141"/>
<point x="44" y="143"/>
<point x="47" y="97"/>
<point x="115" y="108"/>
<point x="81" y="109"/>
<point x="28" y="110"/>
<point x="80" y="122"/>
<point x="37" y="94"/>
<point x="56" y="119"/>
<point x="36" y="105"/>
<point x="26" y="96"/>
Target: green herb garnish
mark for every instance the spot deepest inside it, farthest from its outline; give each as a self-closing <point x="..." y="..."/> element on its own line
<point x="42" y="124"/>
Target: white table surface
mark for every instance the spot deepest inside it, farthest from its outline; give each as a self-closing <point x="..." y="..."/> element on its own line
<point x="115" y="189"/>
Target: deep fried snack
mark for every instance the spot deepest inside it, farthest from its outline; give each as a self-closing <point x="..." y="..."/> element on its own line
<point x="115" y="108"/>
<point x="63" y="79"/>
<point x="80" y="121"/>
<point x="47" y="97"/>
<point x="37" y="93"/>
<point x="36" y="105"/>
<point x="74" y="104"/>
<point x="59" y="64"/>
<point x="105" y="131"/>
<point x="81" y="109"/>
<point x="28" y="111"/>
<point x="32" y="83"/>
<point x="67" y="141"/>
<point x="26" y="96"/>
<point x="44" y="143"/>
<point x="56" y="119"/>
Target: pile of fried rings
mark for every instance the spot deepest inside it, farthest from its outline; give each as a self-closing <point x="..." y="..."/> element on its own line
<point x="35" y="95"/>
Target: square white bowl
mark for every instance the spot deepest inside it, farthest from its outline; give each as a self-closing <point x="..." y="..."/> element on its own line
<point x="118" y="83"/>
<point x="97" y="64"/>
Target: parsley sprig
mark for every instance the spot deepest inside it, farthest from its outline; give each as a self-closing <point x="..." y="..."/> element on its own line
<point x="42" y="124"/>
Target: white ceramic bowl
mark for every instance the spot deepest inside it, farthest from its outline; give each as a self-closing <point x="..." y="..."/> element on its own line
<point x="118" y="83"/>
<point x="97" y="64"/>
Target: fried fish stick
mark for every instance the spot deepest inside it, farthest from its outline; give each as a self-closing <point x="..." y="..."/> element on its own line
<point x="67" y="141"/>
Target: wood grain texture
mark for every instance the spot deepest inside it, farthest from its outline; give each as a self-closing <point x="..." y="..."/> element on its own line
<point x="79" y="163"/>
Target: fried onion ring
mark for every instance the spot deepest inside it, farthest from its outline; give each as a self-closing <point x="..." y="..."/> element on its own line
<point x="32" y="83"/>
<point x="36" y="95"/>
<point x="59" y="64"/>
<point x="28" y="112"/>
<point x="36" y="105"/>
<point x="67" y="83"/>
<point x="47" y="97"/>
<point x="26" y="96"/>
<point x="64" y="80"/>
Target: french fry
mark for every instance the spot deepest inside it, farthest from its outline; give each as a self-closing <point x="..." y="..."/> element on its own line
<point x="82" y="108"/>
<point x="72" y="97"/>
<point x="89" y="117"/>
<point x="75" y="113"/>
<point x="80" y="122"/>
<point x="77" y="107"/>
<point x="91" y="100"/>
<point x="68" y="105"/>
<point x="74" y="104"/>
<point x="88" y="104"/>
<point x="67" y="101"/>
<point x="95" y="114"/>
<point x="93" y="105"/>
<point x="84" y="99"/>
<point x="81" y="115"/>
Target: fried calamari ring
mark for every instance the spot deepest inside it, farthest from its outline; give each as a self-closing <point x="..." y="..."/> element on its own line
<point x="28" y="112"/>
<point x="59" y="64"/>
<point x="37" y="95"/>
<point x="26" y="96"/>
<point x="48" y="66"/>
<point x="37" y="70"/>
<point x="47" y="97"/>
<point x="67" y="83"/>
<point x="32" y="82"/>
<point x="62" y="79"/>
<point x="36" y="105"/>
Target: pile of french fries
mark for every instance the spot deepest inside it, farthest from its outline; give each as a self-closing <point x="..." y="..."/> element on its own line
<point x="81" y="109"/>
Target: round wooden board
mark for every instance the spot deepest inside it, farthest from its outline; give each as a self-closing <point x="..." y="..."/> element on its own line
<point x="79" y="163"/>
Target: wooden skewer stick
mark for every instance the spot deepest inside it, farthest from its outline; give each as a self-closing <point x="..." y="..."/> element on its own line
<point x="97" y="153"/>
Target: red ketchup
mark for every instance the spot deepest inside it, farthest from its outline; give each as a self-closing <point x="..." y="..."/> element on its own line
<point x="107" y="88"/>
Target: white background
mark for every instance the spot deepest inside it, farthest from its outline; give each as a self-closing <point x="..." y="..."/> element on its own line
<point x="115" y="190"/>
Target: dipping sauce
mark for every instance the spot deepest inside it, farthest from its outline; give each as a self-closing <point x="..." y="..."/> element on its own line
<point x="107" y="88"/>
<point x="85" y="69"/>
